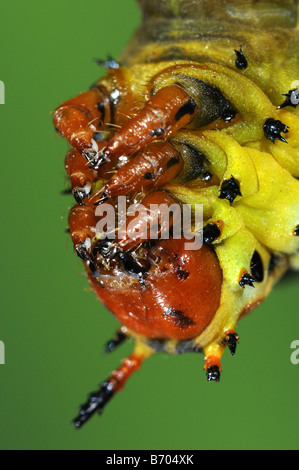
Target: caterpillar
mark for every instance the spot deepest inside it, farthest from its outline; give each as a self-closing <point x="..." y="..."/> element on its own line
<point x="201" y="110"/>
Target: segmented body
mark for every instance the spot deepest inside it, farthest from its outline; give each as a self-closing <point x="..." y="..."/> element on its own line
<point x="194" y="114"/>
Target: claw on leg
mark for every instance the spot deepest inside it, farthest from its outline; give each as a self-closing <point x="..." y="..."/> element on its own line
<point x="213" y="368"/>
<point x="232" y="339"/>
<point x="78" y="118"/>
<point x="118" y="339"/>
<point x="213" y="354"/>
<point x="82" y="224"/>
<point x="115" y="382"/>
<point x="154" y="166"/>
<point x="80" y="174"/>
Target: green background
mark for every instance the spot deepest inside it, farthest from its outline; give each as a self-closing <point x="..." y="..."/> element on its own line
<point x="53" y="327"/>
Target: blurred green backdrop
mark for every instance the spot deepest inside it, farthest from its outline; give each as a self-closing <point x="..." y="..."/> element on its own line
<point x="54" y="329"/>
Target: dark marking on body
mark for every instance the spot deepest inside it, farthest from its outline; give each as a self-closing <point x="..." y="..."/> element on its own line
<point x="178" y="317"/>
<point x="173" y="161"/>
<point x="257" y="267"/>
<point x="181" y="274"/>
<point x="188" y="108"/>
<point x="210" y="233"/>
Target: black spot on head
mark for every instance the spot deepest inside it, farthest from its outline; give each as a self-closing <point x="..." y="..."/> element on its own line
<point x="241" y="61"/>
<point x="178" y="317"/>
<point x="257" y="267"/>
<point x="188" y="108"/>
<point x="230" y="189"/>
<point x="273" y="129"/>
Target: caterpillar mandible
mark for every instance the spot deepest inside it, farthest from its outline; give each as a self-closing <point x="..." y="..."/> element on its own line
<point x="201" y="109"/>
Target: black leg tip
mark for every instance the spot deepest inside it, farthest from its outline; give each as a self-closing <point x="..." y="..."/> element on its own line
<point x="82" y="252"/>
<point x="111" y="345"/>
<point x="232" y="340"/>
<point x="104" y="197"/>
<point x="213" y="374"/>
<point x="95" y="403"/>
<point x="79" y="194"/>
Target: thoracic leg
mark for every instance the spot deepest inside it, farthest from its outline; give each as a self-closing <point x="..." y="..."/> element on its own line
<point x="115" y="382"/>
<point x="79" y="118"/>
